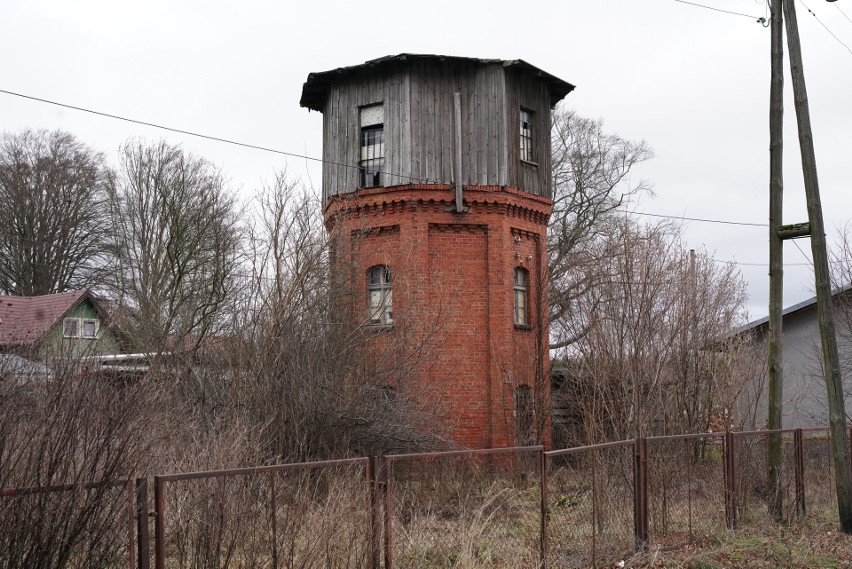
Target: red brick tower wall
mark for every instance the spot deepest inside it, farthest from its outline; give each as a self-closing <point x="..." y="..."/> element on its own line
<point x="453" y="290"/>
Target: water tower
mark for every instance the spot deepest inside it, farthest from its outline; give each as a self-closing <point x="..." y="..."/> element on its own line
<point x="437" y="192"/>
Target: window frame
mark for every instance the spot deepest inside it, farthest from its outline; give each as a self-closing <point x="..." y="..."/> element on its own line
<point x="526" y="141"/>
<point x="79" y="324"/>
<point x="66" y="322"/>
<point x="380" y="313"/>
<point x="521" y="311"/>
<point x="371" y="157"/>
<point x="97" y="328"/>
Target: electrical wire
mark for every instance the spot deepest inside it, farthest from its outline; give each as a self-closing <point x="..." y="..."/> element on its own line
<point x="701" y="219"/>
<point x="836" y="5"/>
<point x="307" y="157"/>
<point x="826" y="27"/>
<point x="759" y="19"/>
<point x="199" y="135"/>
<point x="808" y="259"/>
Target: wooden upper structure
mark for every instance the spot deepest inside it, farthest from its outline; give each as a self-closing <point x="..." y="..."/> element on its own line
<point x="420" y="132"/>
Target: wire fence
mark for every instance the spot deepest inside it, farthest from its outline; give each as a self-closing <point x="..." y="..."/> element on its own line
<point x="588" y="506"/>
<point x="70" y="525"/>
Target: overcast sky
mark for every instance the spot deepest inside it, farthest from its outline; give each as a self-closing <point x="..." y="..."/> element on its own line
<point x="691" y="81"/>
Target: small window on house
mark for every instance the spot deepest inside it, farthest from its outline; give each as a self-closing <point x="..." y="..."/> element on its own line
<point x="71" y="327"/>
<point x="527" y="154"/>
<point x="372" y="157"/>
<point x="521" y="297"/>
<point x="89" y="328"/>
<point x="524" y="416"/>
<point x="380" y="295"/>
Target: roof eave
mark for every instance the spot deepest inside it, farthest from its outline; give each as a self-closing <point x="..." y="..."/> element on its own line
<point x="315" y="89"/>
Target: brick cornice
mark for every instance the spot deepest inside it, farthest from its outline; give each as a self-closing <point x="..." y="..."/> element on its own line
<point x="502" y="200"/>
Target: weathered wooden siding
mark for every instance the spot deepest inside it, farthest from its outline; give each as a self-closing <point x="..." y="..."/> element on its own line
<point x="341" y="129"/>
<point x="523" y="90"/>
<point x="419" y="129"/>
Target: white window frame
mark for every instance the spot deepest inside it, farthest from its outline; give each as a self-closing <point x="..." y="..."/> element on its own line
<point x="521" y="297"/>
<point x="76" y="324"/>
<point x="79" y="326"/>
<point x="97" y="328"/>
<point x="380" y="295"/>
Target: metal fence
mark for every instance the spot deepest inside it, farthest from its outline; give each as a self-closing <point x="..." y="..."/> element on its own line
<point x="514" y="507"/>
<point x="70" y="525"/>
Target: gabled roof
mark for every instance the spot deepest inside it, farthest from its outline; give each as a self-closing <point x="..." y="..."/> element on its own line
<point x="25" y="320"/>
<point x="793" y="308"/>
<point x="316" y="88"/>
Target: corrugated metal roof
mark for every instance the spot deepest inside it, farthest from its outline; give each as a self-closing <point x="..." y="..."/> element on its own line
<point x="315" y="90"/>
<point x="24" y="320"/>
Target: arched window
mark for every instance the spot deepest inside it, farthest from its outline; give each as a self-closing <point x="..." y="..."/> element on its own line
<point x="379" y="295"/>
<point x="522" y="279"/>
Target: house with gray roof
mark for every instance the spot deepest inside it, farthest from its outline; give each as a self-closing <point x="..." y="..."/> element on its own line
<point x="804" y="394"/>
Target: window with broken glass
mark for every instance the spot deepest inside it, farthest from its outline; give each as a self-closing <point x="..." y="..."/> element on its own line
<point x="526" y="135"/>
<point x="380" y="295"/>
<point x="372" y="156"/>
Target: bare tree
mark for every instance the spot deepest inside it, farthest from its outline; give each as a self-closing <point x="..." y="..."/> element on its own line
<point x="177" y="244"/>
<point x="307" y="373"/>
<point x="591" y="171"/>
<point x="657" y="353"/>
<point x="54" y="223"/>
<point x="69" y="432"/>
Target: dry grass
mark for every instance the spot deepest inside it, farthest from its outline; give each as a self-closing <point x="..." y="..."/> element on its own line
<point x="803" y="545"/>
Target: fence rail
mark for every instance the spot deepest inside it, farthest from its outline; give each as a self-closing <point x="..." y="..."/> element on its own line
<point x="510" y="507"/>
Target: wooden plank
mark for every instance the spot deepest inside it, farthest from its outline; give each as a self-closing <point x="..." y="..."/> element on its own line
<point x="491" y="126"/>
<point x="405" y="129"/>
<point x="503" y="131"/>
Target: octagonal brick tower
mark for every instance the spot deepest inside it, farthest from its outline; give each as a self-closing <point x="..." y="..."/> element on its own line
<point x="437" y="193"/>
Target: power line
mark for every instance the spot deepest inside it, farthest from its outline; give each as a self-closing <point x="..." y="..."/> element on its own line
<point x="738" y="263"/>
<point x="810" y="262"/>
<point x="199" y="135"/>
<point x="701" y="219"/>
<point x="755" y="18"/>
<point x="320" y="160"/>
<point x="836" y="5"/>
<point x="826" y="27"/>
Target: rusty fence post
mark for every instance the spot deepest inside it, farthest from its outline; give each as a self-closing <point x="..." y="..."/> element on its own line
<point x="143" y="543"/>
<point x="385" y="466"/>
<point x="799" y="451"/>
<point x="159" y="525"/>
<point x="730" y="469"/>
<point x="130" y="495"/>
<point x="542" y="465"/>
<point x="273" y="505"/>
<point x="372" y="483"/>
<point x="640" y="493"/>
<point x="595" y="517"/>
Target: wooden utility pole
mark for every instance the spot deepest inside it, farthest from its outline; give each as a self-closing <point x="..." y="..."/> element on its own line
<point x="774" y="458"/>
<point x="830" y="359"/>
